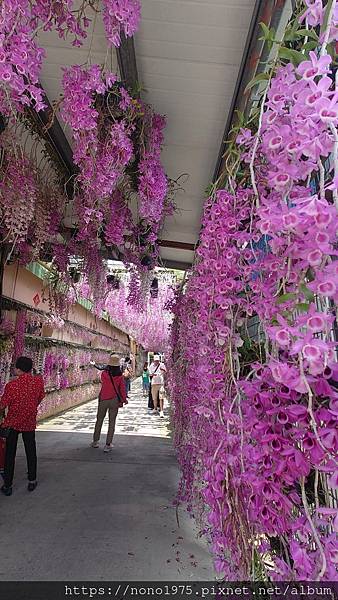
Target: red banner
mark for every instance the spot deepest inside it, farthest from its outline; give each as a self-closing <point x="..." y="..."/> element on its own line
<point x="36" y="299"/>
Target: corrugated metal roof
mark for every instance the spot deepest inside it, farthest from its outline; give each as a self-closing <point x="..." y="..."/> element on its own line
<point x="188" y="55"/>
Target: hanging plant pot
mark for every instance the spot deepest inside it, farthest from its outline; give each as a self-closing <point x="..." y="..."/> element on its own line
<point x="113" y="281"/>
<point x="47" y="331"/>
<point x="146" y="261"/>
<point x="75" y="275"/>
<point x="47" y="257"/>
<point x="154" y="288"/>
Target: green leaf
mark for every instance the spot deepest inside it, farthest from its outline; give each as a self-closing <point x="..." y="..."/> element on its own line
<point x="306" y="292"/>
<point x="291" y="55"/>
<point x="291" y="31"/>
<point x="331" y="50"/>
<point x="303" y="307"/>
<point x="290" y="34"/>
<point x="310" y="33"/>
<point x="256" y="80"/>
<point x="326" y="16"/>
<point x="240" y="117"/>
<point x="310" y="46"/>
<point x="266" y="31"/>
<point x="286" y="298"/>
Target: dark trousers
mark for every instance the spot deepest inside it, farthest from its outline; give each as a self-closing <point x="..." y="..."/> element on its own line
<point x="30" y="449"/>
<point x="128" y="385"/>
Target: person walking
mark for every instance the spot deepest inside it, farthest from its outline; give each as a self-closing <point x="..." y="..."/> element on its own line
<point x="21" y="398"/>
<point x="101" y="367"/>
<point x="150" y="397"/>
<point x="127" y="374"/>
<point x="112" y="397"/>
<point x="156" y="372"/>
<point x="145" y="380"/>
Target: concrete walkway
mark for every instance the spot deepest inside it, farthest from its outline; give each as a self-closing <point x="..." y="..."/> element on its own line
<point x="97" y="516"/>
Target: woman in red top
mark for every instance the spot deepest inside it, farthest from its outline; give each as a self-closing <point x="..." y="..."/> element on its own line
<point x="21" y="397"/>
<point x="111" y="398"/>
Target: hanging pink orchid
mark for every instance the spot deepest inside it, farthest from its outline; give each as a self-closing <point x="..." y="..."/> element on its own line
<point x="254" y="427"/>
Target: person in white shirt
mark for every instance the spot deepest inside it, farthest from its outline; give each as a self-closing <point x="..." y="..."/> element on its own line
<point x="157" y="370"/>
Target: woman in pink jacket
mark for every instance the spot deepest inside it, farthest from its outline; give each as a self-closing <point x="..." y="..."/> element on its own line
<point x="112" y="397"/>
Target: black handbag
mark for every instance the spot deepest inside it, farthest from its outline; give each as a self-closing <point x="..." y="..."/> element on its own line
<point x="4" y="432"/>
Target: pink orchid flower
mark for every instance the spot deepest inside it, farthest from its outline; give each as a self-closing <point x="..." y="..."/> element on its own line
<point x="315" y="66"/>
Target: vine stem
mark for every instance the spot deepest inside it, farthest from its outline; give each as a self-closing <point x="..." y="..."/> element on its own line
<point x="316" y="487"/>
<point x="306" y="39"/>
<point x="335" y="160"/>
<point x="310" y="408"/>
<point x="254" y="152"/>
<point x="321" y="179"/>
<point x="314" y="530"/>
<point x="89" y="56"/>
<point x="328" y="28"/>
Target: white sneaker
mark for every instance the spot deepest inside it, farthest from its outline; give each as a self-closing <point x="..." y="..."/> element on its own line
<point x="153" y="412"/>
<point x="95" y="445"/>
<point x="162" y="414"/>
<point x="108" y="448"/>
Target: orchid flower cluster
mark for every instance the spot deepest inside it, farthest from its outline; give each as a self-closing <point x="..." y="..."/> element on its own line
<point x="117" y="145"/>
<point x="153" y="184"/>
<point x="21" y="57"/>
<point x="130" y="305"/>
<point x="82" y="335"/>
<point x="254" y="372"/>
<point x="30" y="208"/>
<point x="6" y="347"/>
<point x="149" y="323"/>
<point x="61" y="366"/>
<point x="7" y="326"/>
<point x="118" y="221"/>
<point x="67" y="367"/>
<point x="19" y="334"/>
<point x="121" y="17"/>
<point x="101" y="161"/>
<point x="59" y="288"/>
<point x="108" y="133"/>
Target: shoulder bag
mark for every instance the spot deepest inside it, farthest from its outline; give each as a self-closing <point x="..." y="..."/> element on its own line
<point x="116" y="391"/>
<point x="126" y="373"/>
<point x="4" y="432"/>
<point x="151" y="376"/>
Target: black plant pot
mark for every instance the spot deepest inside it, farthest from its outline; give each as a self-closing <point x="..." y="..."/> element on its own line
<point x="146" y="261"/>
<point x="113" y="281"/>
<point x="75" y="275"/>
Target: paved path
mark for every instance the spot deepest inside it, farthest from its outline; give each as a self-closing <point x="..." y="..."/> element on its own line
<point x="101" y="516"/>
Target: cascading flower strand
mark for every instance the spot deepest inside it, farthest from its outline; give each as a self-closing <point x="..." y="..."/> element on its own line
<point x="254" y="372"/>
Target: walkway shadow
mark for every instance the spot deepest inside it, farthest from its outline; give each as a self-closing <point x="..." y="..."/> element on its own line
<point x="100" y="516"/>
<point x="97" y="516"/>
<point x="75" y="446"/>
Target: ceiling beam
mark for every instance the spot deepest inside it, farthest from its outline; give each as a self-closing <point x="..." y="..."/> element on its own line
<point x="174" y="264"/>
<point x="126" y="58"/>
<point x="52" y="132"/>
<point x="178" y="245"/>
<point x="268" y="12"/>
